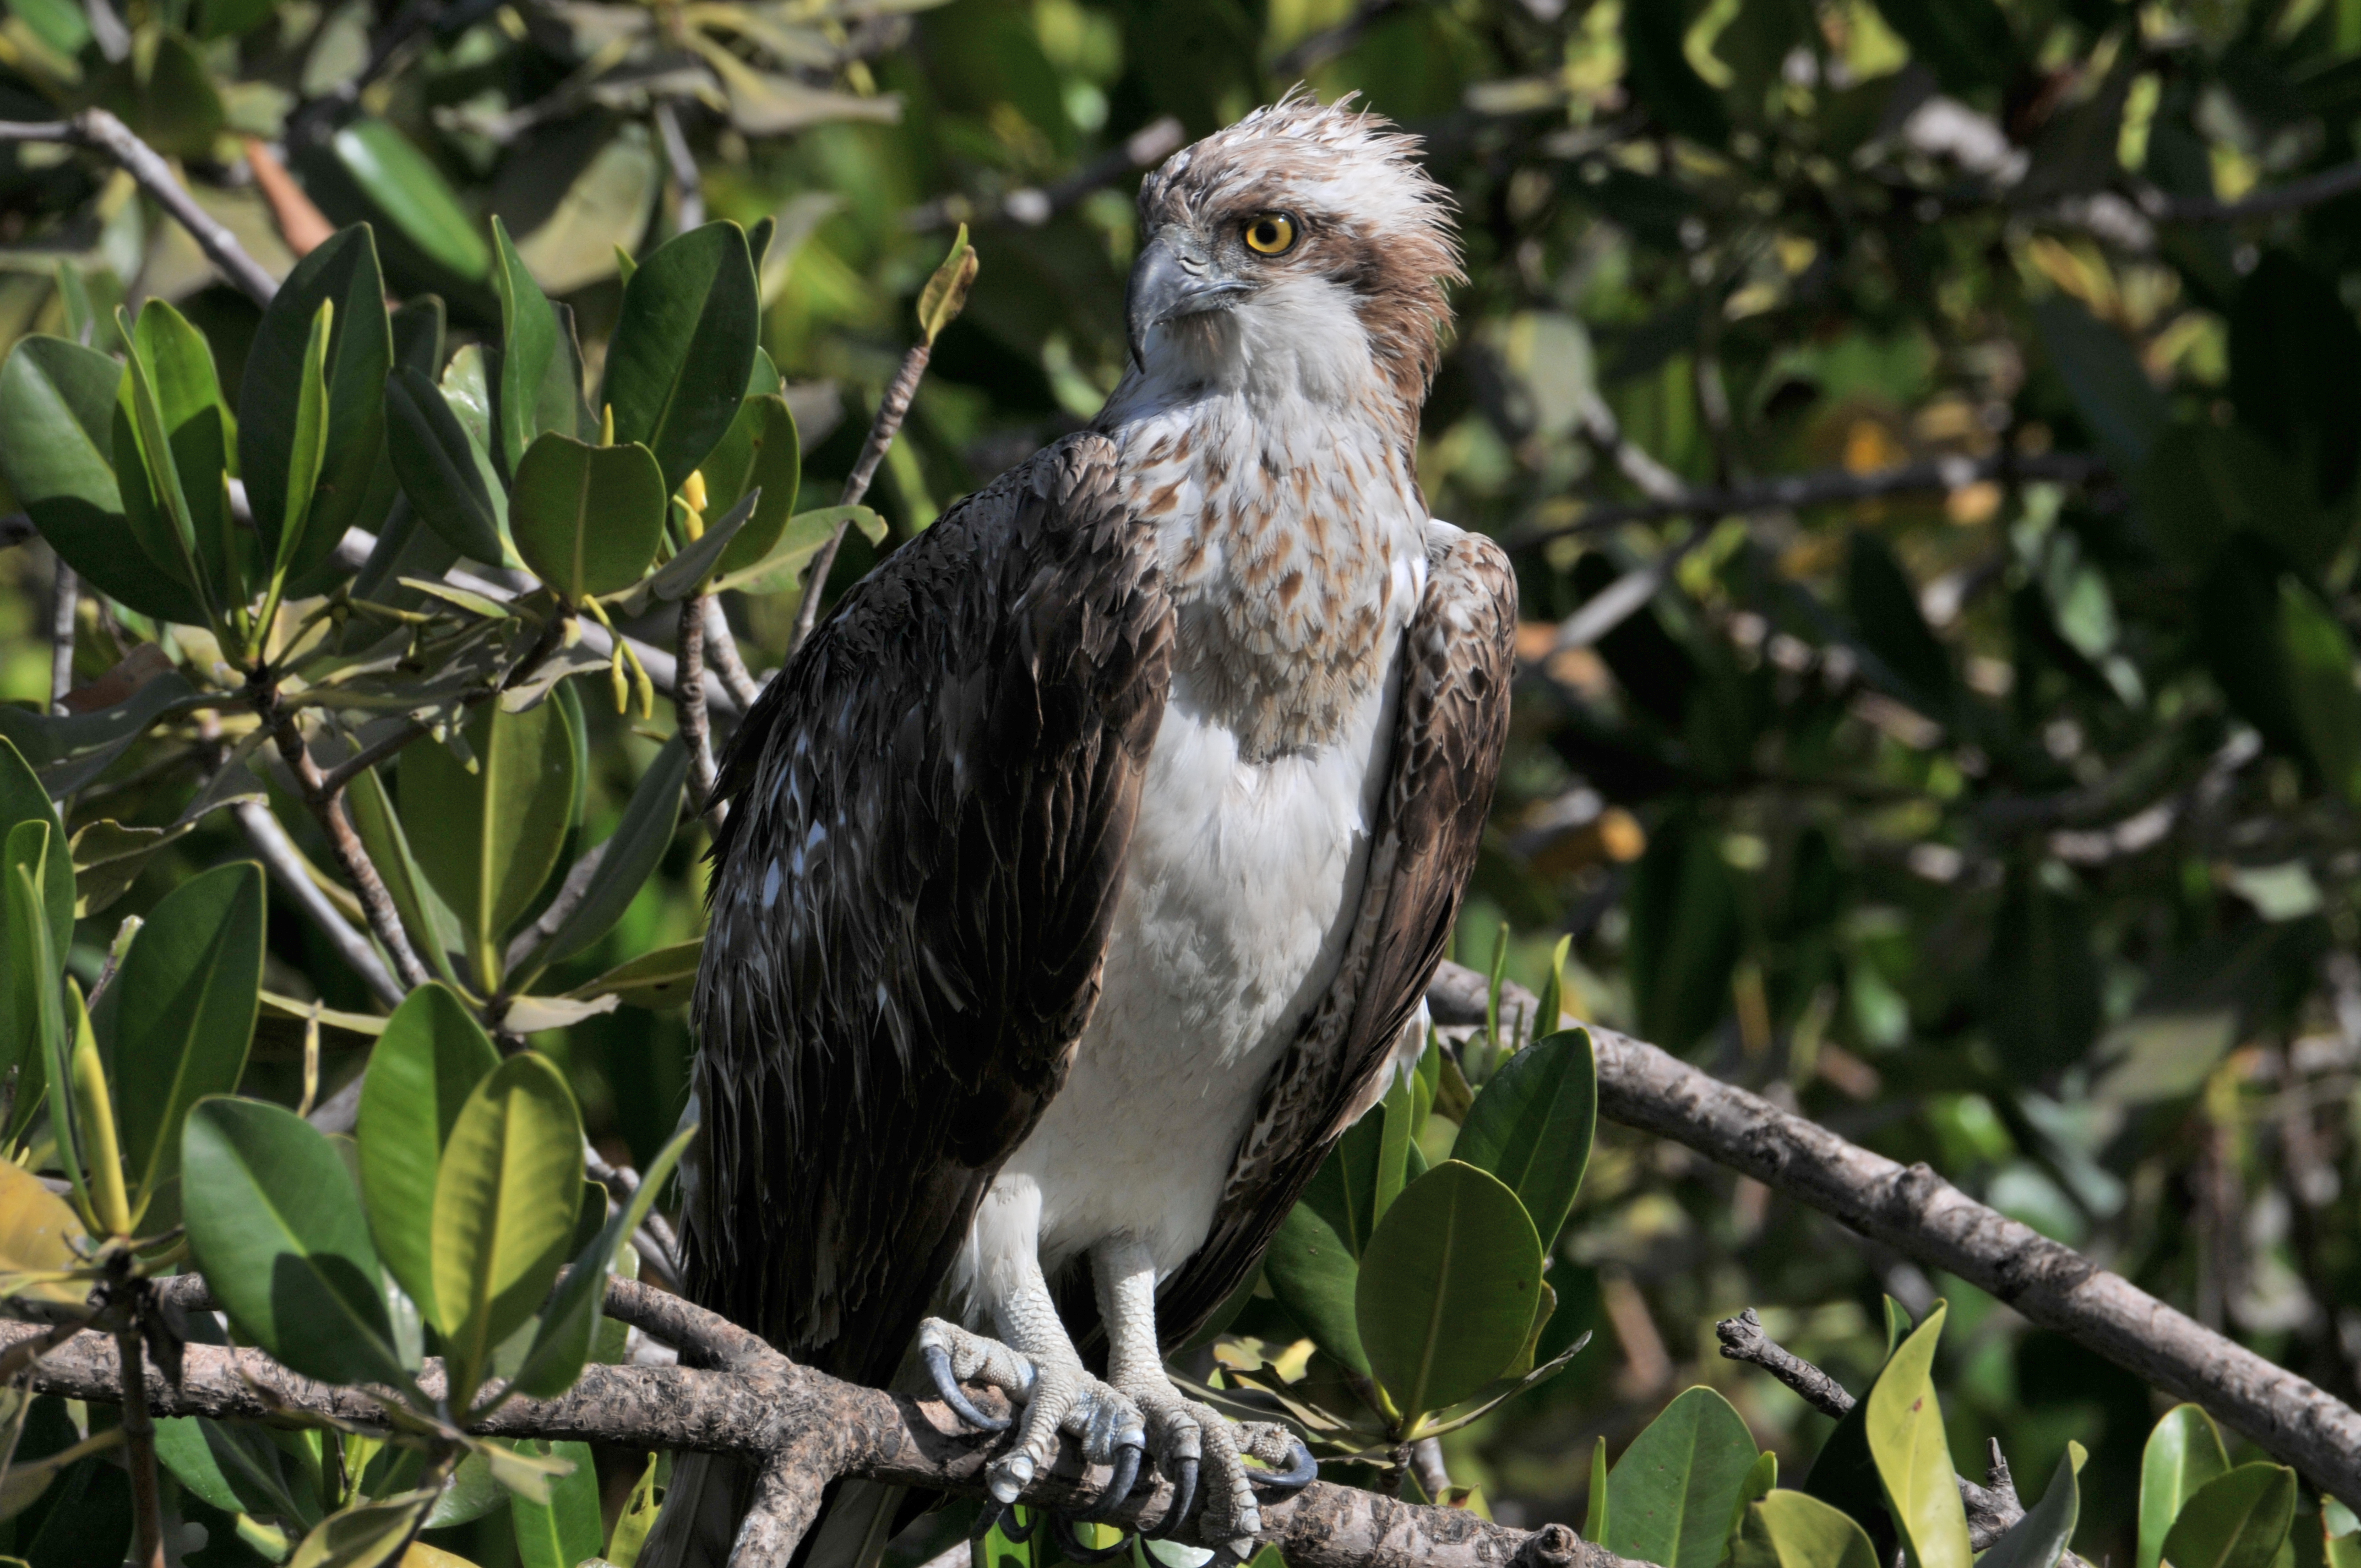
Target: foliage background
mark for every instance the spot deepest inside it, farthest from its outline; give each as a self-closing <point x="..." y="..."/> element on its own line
<point x="2007" y="827"/>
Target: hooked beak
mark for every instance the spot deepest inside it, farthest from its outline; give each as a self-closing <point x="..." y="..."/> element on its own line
<point x="1174" y="277"/>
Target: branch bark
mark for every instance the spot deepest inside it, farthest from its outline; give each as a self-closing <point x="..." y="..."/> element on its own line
<point x="101" y="132"/>
<point x="688" y="705"/>
<point x="807" y="1428"/>
<point x="1925" y="1218"/>
<point x="892" y="409"/>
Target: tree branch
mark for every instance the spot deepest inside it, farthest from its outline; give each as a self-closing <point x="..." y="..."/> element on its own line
<point x="65" y="597"/>
<point x="721" y="652"/>
<point x="1820" y="488"/>
<point x="1990" y="1512"/>
<point x="685" y="180"/>
<point x="1918" y="1213"/>
<point x="807" y="1428"/>
<point x="688" y="705"/>
<point x="279" y="857"/>
<point x="1030" y="206"/>
<point x="892" y="409"/>
<point x="101" y="132"/>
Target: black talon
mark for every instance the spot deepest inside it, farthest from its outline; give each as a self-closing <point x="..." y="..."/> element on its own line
<point x="1013" y="1532"/>
<point x="1118" y="1486"/>
<point x="939" y="1367"/>
<point x="1300" y="1472"/>
<point x="1184" y="1498"/>
<point x="1071" y="1546"/>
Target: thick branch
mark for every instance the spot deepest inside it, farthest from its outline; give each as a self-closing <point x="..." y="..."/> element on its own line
<point x="101" y="132"/>
<point x="773" y="1410"/>
<point x="892" y="409"/>
<point x="1924" y="1217"/>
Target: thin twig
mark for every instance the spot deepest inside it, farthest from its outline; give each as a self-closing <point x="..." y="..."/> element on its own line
<point x="1990" y="1510"/>
<point x="1030" y="206"/>
<point x="656" y="1229"/>
<point x="65" y="598"/>
<point x="2296" y="194"/>
<point x="101" y="132"/>
<point x="139" y="1446"/>
<point x="285" y="864"/>
<point x="1791" y="492"/>
<point x="892" y="409"/>
<point x="686" y="182"/>
<point x="688" y="707"/>
<point x="721" y="654"/>
<point x="352" y="856"/>
<point x="1325" y="45"/>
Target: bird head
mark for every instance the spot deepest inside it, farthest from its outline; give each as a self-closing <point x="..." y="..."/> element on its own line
<point x="1303" y="244"/>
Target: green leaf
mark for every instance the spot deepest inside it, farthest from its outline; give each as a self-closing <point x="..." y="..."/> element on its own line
<point x="1886" y="607"/>
<point x="1596" y="1518"/>
<point x="587" y="518"/>
<point x="366" y="1535"/>
<point x="1793" y="1529"/>
<point x="563" y="1531"/>
<point x="1311" y="1268"/>
<point x="761" y="451"/>
<point x="418" y="328"/>
<point x="35" y="963"/>
<point x="1684" y="932"/>
<point x="568" y="1327"/>
<point x="177" y="365"/>
<point x="2182" y="1455"/>
<point x="404" y="185"/>
<point x="164" y="93"/>
<point x="1904" y="1428"/>
<point x="308" y="441"/>
<point x="2041" y="980"/>
<point x="276" y="1226"/>
<point x="432" y="926"/>
<point x="628" y="856"/>
<point x="1670" y="1497"/>
<point x="442" y="472"/>
<point x="183" y="1010"/>
<point x="1533" y="1124"/>
<point x="504" y="1203"/>
<point x="1449" y="1285"/>
<point x="1966" y="43"/>
<point x="360" y="353"/>
<point x="2320" y="688"/>
<point x="1661" y="77"/>
<point x="57" y="453"/>
<point x="681" y="576"/>
<point x="40" y="1235"/>
<point x="70" y="752"/>
<point x="2238" y="1520"/>
<point x="540" y="386"/>
<point x="677" y="367"/>
<point x="430" y="1058"/>
<point x="2105" y="378"/>
<point x="1396" y="1113"/>
<point x="660" y="979"/>
<point x="23" y="800"/>
<point x="781" y="569"/>
<point x="2202" y="483"/>
<point x="2042" y="1536"/>
<point x="153" y="500"/>
<point x="233" y="1467"/>
<point x="944" y="295"/>
<point x="487" y="839"/>
<point x="639" y="1517"/>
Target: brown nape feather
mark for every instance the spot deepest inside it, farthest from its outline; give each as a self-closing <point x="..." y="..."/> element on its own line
<point x="1374" y="219"/>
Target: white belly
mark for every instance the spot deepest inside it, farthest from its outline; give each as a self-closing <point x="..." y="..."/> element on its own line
<point x="1243" y="885"/>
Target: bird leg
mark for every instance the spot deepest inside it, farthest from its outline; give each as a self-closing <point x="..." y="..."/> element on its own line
<point x="1196" y="1446"/>
<point x="1035" y="1364"/>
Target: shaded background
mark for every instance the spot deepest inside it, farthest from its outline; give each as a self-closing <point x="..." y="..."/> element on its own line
<point x="2002" y="820"/>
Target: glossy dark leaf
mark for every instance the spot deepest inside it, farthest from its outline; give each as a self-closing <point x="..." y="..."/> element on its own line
<point x="275" y="1224"/>
<point x="677" y="367"/>
<point x="2109" y="385"/>
<point x="587" y="518"/>
<point x="343" y="271"/>
<point x="182" y="1012"/>
<point x="2183" y="1453"/>
<point x="412" y="195"/>
<point x="1671" y="1496"/>
<point x="2238" y="1520"/>
<point x="628" y="857"/>
<point x="1532" y="1126"/>
<point x="430" y="1058"/>
<point x="1448" y="1288"/>
<point x="441" y="471"/>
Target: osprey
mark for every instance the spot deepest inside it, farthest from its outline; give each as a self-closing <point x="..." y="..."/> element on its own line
<point x="1087" y="867"/>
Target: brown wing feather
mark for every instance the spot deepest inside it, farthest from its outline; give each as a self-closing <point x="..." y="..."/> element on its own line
<point x="931" y="808"/>
<point x="1460" y="657"/>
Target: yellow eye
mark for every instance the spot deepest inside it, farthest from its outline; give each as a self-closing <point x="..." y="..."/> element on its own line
<point x="1272" y="234"/>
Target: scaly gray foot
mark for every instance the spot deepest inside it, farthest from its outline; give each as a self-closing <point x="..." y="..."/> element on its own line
<point x="1058" y="1397"/>
<point x="1200" y="1450"/>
